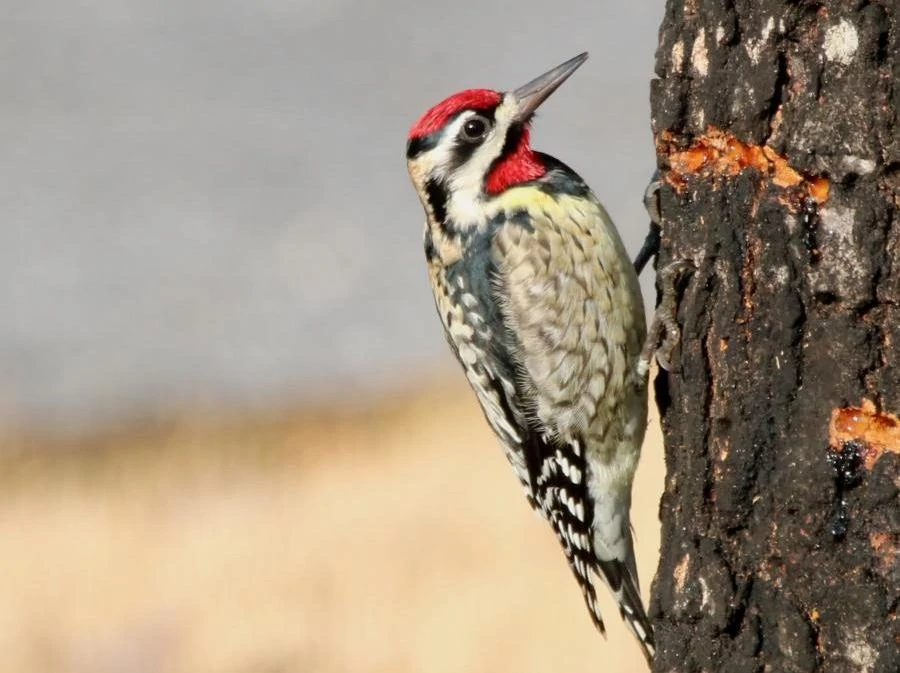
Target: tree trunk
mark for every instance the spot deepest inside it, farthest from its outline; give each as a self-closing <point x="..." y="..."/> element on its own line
<point x="776" y="126"/>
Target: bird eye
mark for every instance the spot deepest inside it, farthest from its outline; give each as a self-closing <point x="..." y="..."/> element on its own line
<point x="474" y="129"/>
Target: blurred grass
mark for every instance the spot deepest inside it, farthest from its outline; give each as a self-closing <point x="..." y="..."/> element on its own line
<point x="391" y="538"/>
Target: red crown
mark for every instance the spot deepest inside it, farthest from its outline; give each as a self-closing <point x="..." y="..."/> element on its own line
<point x="440" y="114"/>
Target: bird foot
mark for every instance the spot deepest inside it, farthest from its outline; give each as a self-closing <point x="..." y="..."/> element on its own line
<point x="664" y="335"/>
<point x="651" y="244"/>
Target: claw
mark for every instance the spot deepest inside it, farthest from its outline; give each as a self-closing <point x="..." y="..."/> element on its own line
<point x="664" y="335"/>
<point x="651" y="243"/>
<point x="651" y="199"/>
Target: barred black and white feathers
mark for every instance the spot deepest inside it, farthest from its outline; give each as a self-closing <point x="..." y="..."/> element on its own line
<point x="542" y="308"/>
<point x="570" y="512"/>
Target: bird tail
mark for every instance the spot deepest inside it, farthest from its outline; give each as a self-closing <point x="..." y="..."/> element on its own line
<point x="621" y="578"/>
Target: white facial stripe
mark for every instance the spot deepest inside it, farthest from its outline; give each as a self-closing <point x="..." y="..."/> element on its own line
<point x="467" y="181"/>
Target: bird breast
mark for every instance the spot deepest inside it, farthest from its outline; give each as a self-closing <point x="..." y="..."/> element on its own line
<point x="574" y="303"/>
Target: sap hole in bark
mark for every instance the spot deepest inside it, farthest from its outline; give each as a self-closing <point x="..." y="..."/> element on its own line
<point x="846" y="464"/>
<point x="826" y="298"/>
<point x="809" y="218"/>
<point x="837" y="528"/>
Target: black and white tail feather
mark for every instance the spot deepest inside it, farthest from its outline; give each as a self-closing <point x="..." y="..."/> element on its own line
<point x="561" y="497"/>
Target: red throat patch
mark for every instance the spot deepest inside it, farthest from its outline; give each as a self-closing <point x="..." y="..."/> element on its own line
<point x="520" y="165"/>
<point x="437" y="117"/>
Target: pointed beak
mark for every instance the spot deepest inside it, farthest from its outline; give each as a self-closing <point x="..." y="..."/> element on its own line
<point x="531" y="95"/>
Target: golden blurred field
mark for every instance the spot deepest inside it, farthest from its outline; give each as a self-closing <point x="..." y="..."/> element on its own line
<point x="391" y="539"/>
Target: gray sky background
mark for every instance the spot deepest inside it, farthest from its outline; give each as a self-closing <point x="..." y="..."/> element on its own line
<point x="208" y="200"/>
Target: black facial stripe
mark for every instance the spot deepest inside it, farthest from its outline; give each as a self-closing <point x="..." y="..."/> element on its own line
<point x="462" y="152"/>
<point x="513" y="136"/>
<point x="416" y="146"/>
<point x="437" y="200"/>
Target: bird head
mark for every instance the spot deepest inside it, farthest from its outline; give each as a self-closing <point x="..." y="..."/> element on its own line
<point x="476" y="142"/>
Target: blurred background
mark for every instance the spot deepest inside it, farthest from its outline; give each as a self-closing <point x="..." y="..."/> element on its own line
<point x="232" y="438"/>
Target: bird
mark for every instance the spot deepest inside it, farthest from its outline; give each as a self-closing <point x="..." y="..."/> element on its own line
<point x="541" y="306"/>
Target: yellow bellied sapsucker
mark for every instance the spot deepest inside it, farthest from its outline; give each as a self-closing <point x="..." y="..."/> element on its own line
<point x="542" y="307"/>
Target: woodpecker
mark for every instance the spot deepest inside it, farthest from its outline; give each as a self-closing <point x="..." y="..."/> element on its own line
<point x="541" y="306"/>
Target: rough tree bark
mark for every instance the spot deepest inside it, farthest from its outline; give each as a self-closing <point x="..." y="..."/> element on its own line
<point x="777" y="130"/>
